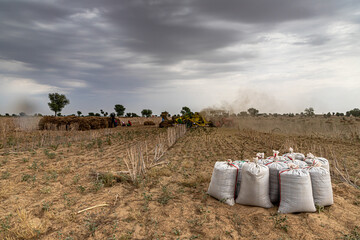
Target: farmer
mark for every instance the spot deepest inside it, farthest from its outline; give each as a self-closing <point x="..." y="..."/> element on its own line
<point x="112" y="116"/>
<point x="129" y="124"/>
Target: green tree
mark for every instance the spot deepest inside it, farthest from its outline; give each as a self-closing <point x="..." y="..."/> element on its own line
<point x="79" y="113"/>
<point x="57" y="102"/>
<point x="134" y="115"/>
<point x="119" y="109"/>
<point x="355" y="112"/>
<point x="127" y="115"/>
<point x="253" y="111"/>
<point x="185" y="110"/>
<point x="91" y="114"/>
<point x="309" y="111"/>
<point x="146" y="113"/>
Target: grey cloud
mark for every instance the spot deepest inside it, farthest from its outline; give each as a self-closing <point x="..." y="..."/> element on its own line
<point x="265" y="11"/>
<point x="314" y="40"/>
<point x="133" y="44"/>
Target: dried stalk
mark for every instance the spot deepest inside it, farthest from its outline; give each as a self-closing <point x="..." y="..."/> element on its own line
<point x="89" y="208"/>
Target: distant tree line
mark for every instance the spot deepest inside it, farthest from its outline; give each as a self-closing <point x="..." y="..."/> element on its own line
<point x="59" y="101"/>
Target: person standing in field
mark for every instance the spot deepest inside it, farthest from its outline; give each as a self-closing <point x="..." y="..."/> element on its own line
<point x="112" y="116"/>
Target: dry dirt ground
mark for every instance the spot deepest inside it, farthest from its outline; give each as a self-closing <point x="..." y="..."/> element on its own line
<point x="42" y="190"/>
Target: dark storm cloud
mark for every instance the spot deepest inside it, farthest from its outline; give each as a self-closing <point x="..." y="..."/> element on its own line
<point x="265" y="11"/>
<point x="123" y="45"/>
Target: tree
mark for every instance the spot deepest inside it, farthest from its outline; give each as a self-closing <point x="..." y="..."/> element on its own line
<point x="79" y="113"/>
<point x="134" y="115"/>
<point x="146" y="113"/>
<point x="119" y="109"/>
<point x="185" y="111"/>
<point x="127" y="115"/>
<point x="22" y="114"/>
<point x="253" y="111"/>
<point x="91" y="114"/>
<point x="243" y="113"/>
<point x="355" y="112"/>
<point x="57" y="102"/>
<point x="309" y="111"/>
<point x="339" y="114"/>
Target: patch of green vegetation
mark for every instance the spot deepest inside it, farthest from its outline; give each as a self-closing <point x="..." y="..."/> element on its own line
<point x="46" y="206"/>
<point x="5" y="175"/>
<point x="5" y="223"/>
<point x="50" y="155"/>
<point x="280" y="222"/>
<point x="27" y="178"/>
<point x="91" y="224"/>
<point x="165" y="196"/>
<point x="353" y="235"/>
<point x="107" y="179"/>
<point x="319" y="209"/>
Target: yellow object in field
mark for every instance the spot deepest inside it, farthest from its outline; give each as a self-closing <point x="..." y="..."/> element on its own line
<point x="194" y="119"/>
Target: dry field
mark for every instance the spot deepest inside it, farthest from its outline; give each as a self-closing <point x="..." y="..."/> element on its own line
<point x="48" y="177"/>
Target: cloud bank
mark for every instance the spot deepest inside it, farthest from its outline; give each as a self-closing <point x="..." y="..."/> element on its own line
<point x="163" y="54"/>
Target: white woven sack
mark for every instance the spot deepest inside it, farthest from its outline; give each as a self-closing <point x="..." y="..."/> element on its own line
<point x="324" y="163"/>
<point x="311" y="161"/>
<point x="294" y="156"/>
<point x="223" y="182"/>
<point x="321" y="186"/>
<point x="300" y="163"/>
<point x="265" y="161"/>
<point x="239" y="164"/>
<point x="274" y="190"/>
<point x="296" y="191"/>
<point x="254" y="189"/>
<point x="276" y="157"/>
<point x="262" y="160"/>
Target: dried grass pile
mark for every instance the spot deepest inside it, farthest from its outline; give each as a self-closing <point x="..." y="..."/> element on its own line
<point x="74" y="123"/>
<point x="149" y="123"/>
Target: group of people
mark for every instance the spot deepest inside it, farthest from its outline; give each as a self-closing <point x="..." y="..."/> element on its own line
<point x="115" y="123"/>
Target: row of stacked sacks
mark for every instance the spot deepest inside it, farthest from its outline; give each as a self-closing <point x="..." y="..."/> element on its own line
<point x="294" y="182"/>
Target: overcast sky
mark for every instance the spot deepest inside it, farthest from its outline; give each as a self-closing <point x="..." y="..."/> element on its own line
<point x="274" y="55"/>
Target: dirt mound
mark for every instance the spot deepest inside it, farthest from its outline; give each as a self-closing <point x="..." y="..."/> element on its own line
<point x="73" y="123"/>
<point x="166" y="124"/>
<point x="149" y="123"/>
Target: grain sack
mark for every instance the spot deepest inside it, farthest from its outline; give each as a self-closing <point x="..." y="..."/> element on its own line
<point x="299" y="163"/>
<point x="295" y="191"/>
<point x="321" y="186"/>
<point x="260" y="156"/>
<point x="324" y="163"/>
<point x="254" y="188"/>
<point x="223" y="182"/>
<point x="294" y="156"/>
<point x="311" y="160"/>
<point x="276" y="157"/>
<point x="274" y="189"/>
<point x="239" y="164"/>
<point x="262" y="160"/>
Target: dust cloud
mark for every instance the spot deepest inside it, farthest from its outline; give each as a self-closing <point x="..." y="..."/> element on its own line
<point x="265" y="102"/>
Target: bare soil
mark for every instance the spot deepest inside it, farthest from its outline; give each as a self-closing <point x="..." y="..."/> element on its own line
<point x="42" y="189"/>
